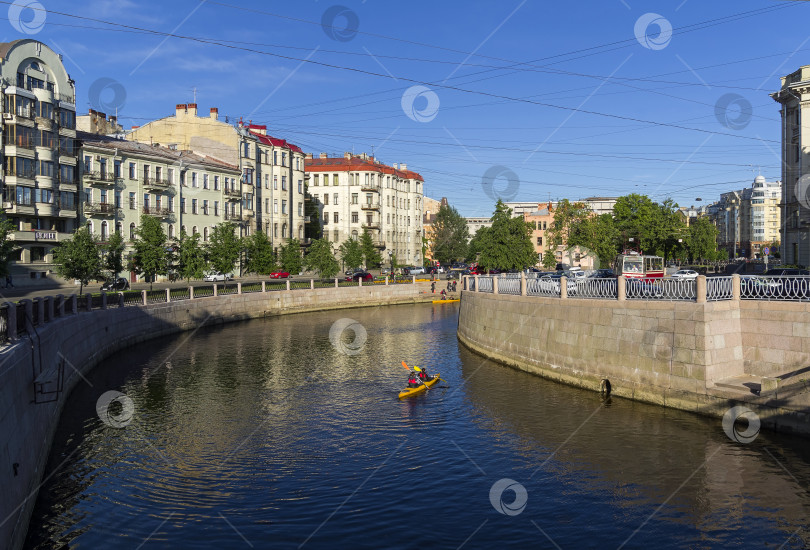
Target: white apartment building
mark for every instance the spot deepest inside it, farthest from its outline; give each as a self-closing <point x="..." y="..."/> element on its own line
<point x="355" y="192"/>
<point x="749" y="219"/>
<point x="272" y="180"/>
<point x="39" y="177"/>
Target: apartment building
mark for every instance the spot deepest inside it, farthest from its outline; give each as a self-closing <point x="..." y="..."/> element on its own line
<point x="39" y="153"/>
<point x="749" y="219"/>
<point x="272" y="170"/>
<point x="354" y="192"/>
<point x="123" y="180"/>
<point x="794" y="99"/>
<point x="540" y="219"/>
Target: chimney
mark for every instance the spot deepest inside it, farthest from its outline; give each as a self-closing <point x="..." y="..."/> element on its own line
<point x="324" y="155"/>
<point x="113" y="119"/>
<point x="192" y="109"/>
<point x="180" y="110"/>
<point x="102" y="116"/>
<point x="92" y="111"/>
<point x="403" y="166"/>
<point x="396" y="166"/>
<point x="214" y="113"/>
<point x="308" y="156"/>
<point x="347" y="155"/>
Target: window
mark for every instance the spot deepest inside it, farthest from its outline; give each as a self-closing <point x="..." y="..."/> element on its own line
<point x="247" y="176"/>
<point x="283" y="158"/>
<point x="194" y="179"/>
<point x="334" y="179"/>
<point x="335" y="216"/>
<point x="146" y="172"/>
<point x="205" y="207"/>
<point x="170" y="206"/>
<point x="132" y="171"/>
<point x="325" y="217"/>
<point x="300" y="186"/>
<point x="205" y="234"/>
<point x="283" y="183"/>
<point x="326" y="199"/>
<point x="171" y="231"/>
<point x="284" y="231"/>
<point x="283" y="207"/>
<point x="354" y="198"/>
<point x="118" y="199"/>
<point x="275" y="206"/>
<point x="193" y="206"/>
<point x="216" y="208"/>
<point x="194" y="230"/>
<point x="355" y="217"/>
<point x="105" y="232"/>
<point x="205" y="181"/>
<point x="182" y="205"/>
<point x="132" y="232"/>
<point x="300" y="208"/>
<point x="170" y="175"/>
<point x="275" y="182"/>
<point x="275" y="230"/>
<point x="133" y="202"/>
<point x="267" y="181"/>
<point x="216" y="183"/>
<point x="539" y="241"/>
<point x="275" y="161"/>
<point x="335" y="199"/>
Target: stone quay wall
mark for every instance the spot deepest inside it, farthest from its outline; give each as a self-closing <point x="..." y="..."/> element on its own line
<point x="679" y="354"/>
<point x="75" y="341"/>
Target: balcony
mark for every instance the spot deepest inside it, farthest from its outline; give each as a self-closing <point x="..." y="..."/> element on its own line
<point x="99" y="208"/>
<point x="159" y="183"/>
<point x="233" y="193"/>
<point x="379" y="244"/>
<point x="372" y="225"/>
<point x="104" y="178"/>
<point x="157" y="211"/>
<point x="20" y="141"/>
<point x="370" y="206"/>
<point x="370" y="187"/>
<point x="247" y="214"/>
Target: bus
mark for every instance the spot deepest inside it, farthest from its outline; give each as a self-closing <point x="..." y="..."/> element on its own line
<point x="638" y="266"/>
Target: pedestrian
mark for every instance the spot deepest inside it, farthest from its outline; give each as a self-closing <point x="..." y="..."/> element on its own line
<point x="454" y="285"/>
<point x="9" y="284"/>
<point x="433" y="287"/>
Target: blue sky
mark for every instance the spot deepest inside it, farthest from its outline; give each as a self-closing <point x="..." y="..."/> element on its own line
<point x="526" y="100"/>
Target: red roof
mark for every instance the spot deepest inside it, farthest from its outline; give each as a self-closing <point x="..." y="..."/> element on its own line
<point x="356" y="163"/>
<point x="270" y="140"/>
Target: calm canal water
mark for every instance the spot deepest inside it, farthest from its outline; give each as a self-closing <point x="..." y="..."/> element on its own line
<point x="266" y="435"/>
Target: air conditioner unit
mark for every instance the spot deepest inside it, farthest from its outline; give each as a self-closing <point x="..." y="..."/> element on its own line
<point x="7" y="116"/>
<point x="8" y="205"/>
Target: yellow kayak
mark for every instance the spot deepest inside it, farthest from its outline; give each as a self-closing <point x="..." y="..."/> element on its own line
<point x="407" y="392"/>
<point x="446" y="301"/>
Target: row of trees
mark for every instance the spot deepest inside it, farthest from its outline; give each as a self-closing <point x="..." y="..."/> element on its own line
<point x="638" y="223"/>
<point x="84" y="258"/>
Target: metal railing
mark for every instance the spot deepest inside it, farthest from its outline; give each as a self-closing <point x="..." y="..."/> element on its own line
<point x="592" y="288"/>
<point x="485" y="284"/>
<point x="719" y="288"/>
<point x="790" y="288"/>
<point x="509" y="286"/>
<point x="661" y="289"/>
<point x="543" y="287"/>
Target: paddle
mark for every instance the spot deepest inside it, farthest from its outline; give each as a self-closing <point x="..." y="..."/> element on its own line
<point x="434" y="376"/>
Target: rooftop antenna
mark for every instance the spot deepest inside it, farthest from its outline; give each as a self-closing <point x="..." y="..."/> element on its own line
<point x="194" y="89"/>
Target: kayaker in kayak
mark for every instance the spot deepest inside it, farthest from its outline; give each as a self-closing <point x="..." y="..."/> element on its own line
<point x="424" y="376"/>
<point x="413" y="381"/>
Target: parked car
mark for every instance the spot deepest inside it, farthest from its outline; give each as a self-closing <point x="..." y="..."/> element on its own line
<point x="685" y="274"/>
<point x="115" y="285"/>
<point x="385" y="271"/>
<point x="360" y="276"/>
<point x="218" y="276"/>
<point x="602" y="274"/>
<point x="417" y="270"/>
<point x="279" y="275"/>
<point x="551" y="282"/>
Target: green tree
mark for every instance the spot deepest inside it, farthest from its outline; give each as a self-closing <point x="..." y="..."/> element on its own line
<point x="702" y="240"/>
<point x="599" y="235"/>
<point x="371" y="256"/>
<point x="7" y="246"/>
<point x="260" y="256"/>
<point x="321" y="258"/>
<point x="569" y="219"/>
<point x="191" y="257"/>
<point x="449" y="235"/>
<point x="476" y="244"/>
<point x="113" y="253"/>
<point x="507" y="244"/>
<point x="290" y="257"/>
<point x="150" y="257"/>
<point x="79" y="258"/>
<point x="224" y="247"/>
<point x="351" y="253"/>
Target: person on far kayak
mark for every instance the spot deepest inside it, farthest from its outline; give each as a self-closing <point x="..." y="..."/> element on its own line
<point x="424" y="376"/>
<point x="413" y="381"/>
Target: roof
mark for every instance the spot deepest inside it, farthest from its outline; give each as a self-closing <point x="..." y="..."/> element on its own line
<point x="358" y="164"/>
<point x="270" y="140"/>
<point x="144" y="149"/>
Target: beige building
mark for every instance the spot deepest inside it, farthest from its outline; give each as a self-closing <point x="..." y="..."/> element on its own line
<point x="39" y="154"/>
<point x="123" y="180"/>
<point x="794" y="98"/>
<point x="95" y="122"/>
<point x="430" y="209"/>
<point x="272" y="170"/>
<point x="540" y="219"/>
<point x="354" y="192"/>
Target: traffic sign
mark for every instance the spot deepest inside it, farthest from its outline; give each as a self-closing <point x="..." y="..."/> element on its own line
<point x="766" y="250"/>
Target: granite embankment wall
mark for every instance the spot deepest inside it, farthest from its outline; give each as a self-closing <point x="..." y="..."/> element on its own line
<point x="671" y="353"/>
<point x="79" y="341"/>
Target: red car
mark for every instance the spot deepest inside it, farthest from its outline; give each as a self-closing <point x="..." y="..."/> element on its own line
<point x="279" y="275"/>
<point x="361" y="276"/>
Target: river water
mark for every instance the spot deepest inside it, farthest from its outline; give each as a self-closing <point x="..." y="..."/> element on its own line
<point x="269" y="434"/>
